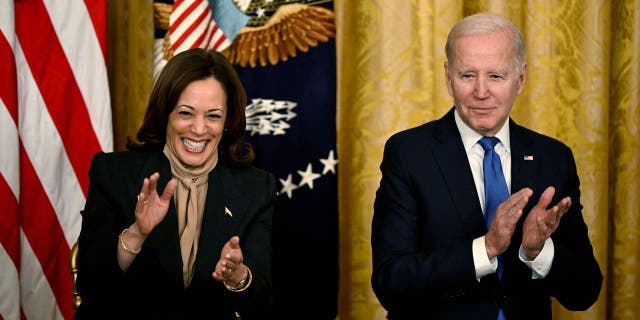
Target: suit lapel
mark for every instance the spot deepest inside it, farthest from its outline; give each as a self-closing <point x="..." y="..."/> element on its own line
<point x="218" y="223"/>
<point x="454" y="165"/>
<point x="164" y="237"/>
<point x="524" y="161"/>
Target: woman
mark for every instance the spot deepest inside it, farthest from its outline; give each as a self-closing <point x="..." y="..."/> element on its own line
<point x="179" y="227"/>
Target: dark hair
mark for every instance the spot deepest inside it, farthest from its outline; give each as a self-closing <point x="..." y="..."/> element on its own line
<point x="181" y="70"/>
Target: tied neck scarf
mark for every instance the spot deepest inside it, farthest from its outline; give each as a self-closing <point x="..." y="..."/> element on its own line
<point x="189" y="197"/>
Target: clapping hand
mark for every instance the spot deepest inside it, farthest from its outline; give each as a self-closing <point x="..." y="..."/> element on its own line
<point x="230" y="269"/>
<point x="151" y="208"/>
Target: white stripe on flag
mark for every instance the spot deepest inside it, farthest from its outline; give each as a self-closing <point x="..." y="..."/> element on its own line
<point x="9" y="292"/>
<point x="9" y="166"/>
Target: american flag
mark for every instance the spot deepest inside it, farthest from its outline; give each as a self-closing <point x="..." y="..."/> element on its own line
<point x="55" y="115"/>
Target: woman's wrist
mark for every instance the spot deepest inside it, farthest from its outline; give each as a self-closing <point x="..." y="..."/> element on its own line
<point x="131" y="239"/>
<point x="123" y="243"/>
<point x="243" y="284"/>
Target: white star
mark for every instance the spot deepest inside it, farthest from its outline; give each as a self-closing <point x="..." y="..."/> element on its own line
<point x="308" y="177"/>
<point x="329" y="163"/>
<point x="260" y="12"/>
<point x="290" y="115"/>
<point x="268" y="1"/>
<point x="287" y="186"/>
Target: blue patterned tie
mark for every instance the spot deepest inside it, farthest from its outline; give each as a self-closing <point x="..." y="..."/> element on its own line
<point x="495" y="188"/>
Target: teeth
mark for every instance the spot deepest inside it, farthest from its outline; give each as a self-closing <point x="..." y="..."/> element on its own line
<point x="194" y="145"/>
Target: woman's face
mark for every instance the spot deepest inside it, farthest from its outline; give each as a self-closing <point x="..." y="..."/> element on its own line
<point x="196" y="124"/>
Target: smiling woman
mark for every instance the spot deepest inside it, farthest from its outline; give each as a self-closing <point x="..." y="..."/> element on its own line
<point x="180" y="224"/>
<point x="197" y="123"/>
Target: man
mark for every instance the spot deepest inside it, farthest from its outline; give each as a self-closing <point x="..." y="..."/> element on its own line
<point x="441" y="249"/>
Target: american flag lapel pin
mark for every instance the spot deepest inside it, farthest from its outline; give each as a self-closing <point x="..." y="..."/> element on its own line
<point x="228" y="212"/>
<point x="527" y="157"/>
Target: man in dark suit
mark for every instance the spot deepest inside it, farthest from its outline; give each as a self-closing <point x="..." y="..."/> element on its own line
<point x="441" y="250"/>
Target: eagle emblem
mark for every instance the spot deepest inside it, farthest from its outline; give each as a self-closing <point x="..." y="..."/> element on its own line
<point x="275" y="31"/>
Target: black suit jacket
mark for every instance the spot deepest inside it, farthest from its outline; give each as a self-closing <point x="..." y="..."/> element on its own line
<point x="152" y="288"/>
<point x="427" y="213"/>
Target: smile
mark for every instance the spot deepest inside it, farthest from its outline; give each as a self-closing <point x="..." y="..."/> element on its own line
<point x="193" y="146"/>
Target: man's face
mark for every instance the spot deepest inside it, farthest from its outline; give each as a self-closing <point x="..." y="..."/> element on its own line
<point x="483" y="80"/>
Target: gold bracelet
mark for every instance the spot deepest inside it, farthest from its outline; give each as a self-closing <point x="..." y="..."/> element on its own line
<point x="243" y="285"/>
<point x="124" y="246"/>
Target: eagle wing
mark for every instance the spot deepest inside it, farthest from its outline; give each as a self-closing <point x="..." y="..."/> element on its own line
<point x="292" y="27"/>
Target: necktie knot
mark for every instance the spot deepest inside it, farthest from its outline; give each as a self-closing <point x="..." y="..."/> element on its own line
<point x="488" y="143"/>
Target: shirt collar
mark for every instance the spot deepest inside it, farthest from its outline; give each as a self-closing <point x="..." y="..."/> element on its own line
<point x="470" y="137"/>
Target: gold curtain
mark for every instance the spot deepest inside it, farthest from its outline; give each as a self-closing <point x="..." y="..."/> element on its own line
<point x="129" y="65"/>
<point x="583" y="88"/>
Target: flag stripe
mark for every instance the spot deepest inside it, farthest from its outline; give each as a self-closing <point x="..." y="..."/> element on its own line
<point x="9" y="299"/>
<point x="45" y="58"/>
<point x="8" y="89"/>
<point x="83" y="52"/>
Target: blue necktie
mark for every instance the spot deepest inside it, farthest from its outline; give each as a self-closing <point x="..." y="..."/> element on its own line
<point x="495" y="188"/>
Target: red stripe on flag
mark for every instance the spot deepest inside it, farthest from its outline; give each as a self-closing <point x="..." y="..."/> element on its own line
<point x="8" y="82"/>
<point x="190" y="29"/>
<point x="57" y="85"/>
<point x="175" y="24"/>
<point x="40" y="226"/>
<point x="9" y="230"/>
<point x="98" y="13"/>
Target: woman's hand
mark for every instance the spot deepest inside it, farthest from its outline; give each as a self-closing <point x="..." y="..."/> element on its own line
<point x="150" y="210"/>
<point x="151" y="207"/>
<point x="230" y="269"/>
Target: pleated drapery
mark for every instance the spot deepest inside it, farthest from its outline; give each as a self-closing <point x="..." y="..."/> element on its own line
<point x="583" y="88"/>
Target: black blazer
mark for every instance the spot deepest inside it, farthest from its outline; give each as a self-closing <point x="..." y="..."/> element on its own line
<point x="427" y="213"/>
<point x="153" y="288"/>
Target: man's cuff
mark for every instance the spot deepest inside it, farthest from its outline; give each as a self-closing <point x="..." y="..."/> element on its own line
<point x="541" y="265"/>
<point x="481" y="261"/>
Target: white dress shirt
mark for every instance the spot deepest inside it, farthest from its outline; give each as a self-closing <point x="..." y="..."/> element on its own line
<point x="541" y="265"/>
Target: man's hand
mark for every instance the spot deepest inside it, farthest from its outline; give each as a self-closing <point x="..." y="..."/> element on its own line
<point x="541" y="223"/>
<point x="504" y="222"/>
